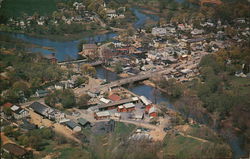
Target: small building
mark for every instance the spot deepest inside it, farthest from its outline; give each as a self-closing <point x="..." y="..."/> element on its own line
<point x="18" y="112"/>
<point x="159" y="31"/>
<point x="138" y="115"/>
<point x="16" y="151"/>
<point x="114" y="97"/>
<point x="41" y="93"/>
<point x="102" y="115"/>
<point x="27" y="126"/>
<point x="7" y="105"/>
<point x="111" y="13"/>
<point x="104" y="100"/>
<point x="89" y="49"/>
<point x="117" y="115"/>
<point x="83" y="122"/>
<point x="145" y="101"/>
<point x="129" y="107"/>
<point x="147" y="108"/>
<point x="121" y="108"/>
<point x="153" y="112"/>
<point x="73" y="126"/>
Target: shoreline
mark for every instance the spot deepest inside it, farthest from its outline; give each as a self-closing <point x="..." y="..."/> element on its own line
<point x="61" y="37"/>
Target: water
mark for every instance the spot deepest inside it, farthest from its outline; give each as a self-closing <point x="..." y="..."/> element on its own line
<point x="68" y="49"/>
<point x="142" y="18"/>
<point x="102" y="73"/>
<point x="63" y="49"/>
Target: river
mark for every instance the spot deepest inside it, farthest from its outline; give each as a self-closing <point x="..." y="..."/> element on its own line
<point x="68" y="49"/>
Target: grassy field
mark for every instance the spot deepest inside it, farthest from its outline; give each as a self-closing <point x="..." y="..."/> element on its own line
<point x="182" y="147"/>
<point x="15" y="8"/>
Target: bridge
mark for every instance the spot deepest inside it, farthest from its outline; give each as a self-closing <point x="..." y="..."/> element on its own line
<point x="96" y="63"/>
<point x="124" y="81"/>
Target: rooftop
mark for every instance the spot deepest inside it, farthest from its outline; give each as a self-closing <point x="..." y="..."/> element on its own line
<point x="14" y="149"/>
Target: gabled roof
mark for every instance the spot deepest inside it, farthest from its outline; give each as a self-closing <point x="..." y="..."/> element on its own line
<point x="129" y="105"/>
<point x="103" y="113"/>
<point x="38" y="107"/>
<point x="152" y="110"/>
<point x="71" y="124"/>
<point x="8" y="105"/>
<point x="14" y="149"/>
<point x="82" y="121"/>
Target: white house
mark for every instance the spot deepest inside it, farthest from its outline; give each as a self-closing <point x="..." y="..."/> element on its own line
<point x="18" y="112"/>
<point x="159" y="31"/>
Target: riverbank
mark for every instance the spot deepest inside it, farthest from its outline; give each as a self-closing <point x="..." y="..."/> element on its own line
<point x="61" y="37"/>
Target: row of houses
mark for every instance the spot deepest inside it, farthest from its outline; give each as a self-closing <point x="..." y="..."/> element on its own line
<point x="124" y="106"/>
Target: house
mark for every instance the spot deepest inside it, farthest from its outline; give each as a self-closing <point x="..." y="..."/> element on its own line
<point x="18" y="112"/>
<point x="159" y="31"/>
<point x="197" y="32"/>
<point x="89" y="49"/>
<point x="138" y="115"/>
<point x="181" y="26"/>
<point x="27" y="126"/>
<point x="145" y="101"/>
<point x="121" y="108"/>
<point x="117" y="43"/>
<point x="104" y="100"/>
<point x="73" y="126"/>
<point x="111" y="13"/>
<point x="83" y="122"/>
<point x="7" y="105"/>
<point x="102" y="115"/>
<point x="147" y="108"/>
<point x="153" y="112"/>
<point x="41" y="93"/>
<point x="186" y="71"/>
<point x="39" y="108"/>
<point x="48" y="112"/>
<point x="114" y="97"/>
<point x="51" y="58"/>
<point x="129" y="107"/>
<point x="16" y="151"/>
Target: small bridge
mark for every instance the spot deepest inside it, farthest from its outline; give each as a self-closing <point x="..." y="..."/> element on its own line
<point x="96" y="63"/>
<point x="128" y="80"/>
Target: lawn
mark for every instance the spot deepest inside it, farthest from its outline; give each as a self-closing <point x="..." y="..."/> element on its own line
<point x="181" y="147"/>
<point x="15" y="8"/>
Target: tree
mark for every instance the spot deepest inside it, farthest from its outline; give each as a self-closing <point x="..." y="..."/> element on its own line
<point x="81" y="80"/>
<point x="7" y="111"/>
<point x="8" y="131"/>
<point x="83" y="101"/>
<point x="68" y="98"/>
<point x="118" y="68"/>
<point x="87" y="69"/>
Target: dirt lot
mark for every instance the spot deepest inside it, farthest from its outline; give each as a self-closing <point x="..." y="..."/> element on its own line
<point x="61" y="129"/>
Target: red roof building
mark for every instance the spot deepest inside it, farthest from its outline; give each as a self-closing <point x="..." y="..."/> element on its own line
<point x="8" y="105"/>
<point x="114" y="97"/>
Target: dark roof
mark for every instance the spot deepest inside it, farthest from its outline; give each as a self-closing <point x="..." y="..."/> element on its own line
<point x="196" y="40"/>
<point x="82" y="121"/>
<point x="38" y="107"/>
<point x="42" y="92"/>
<point x="14" y="149"/>
<point x="71" y="124"/>
<point x="27" y="125"/>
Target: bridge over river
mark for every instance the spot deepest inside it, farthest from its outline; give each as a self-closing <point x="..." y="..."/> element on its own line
<point x="132" y="79"/>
